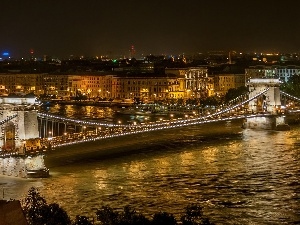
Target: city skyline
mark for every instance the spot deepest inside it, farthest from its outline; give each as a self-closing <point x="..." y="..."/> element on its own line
<point x="96" y="28"/>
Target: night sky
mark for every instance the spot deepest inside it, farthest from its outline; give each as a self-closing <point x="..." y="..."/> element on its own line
<point x="62" y="28"/>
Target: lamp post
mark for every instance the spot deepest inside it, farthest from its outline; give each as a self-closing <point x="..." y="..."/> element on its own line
<point x="171" y="115"/>
<point x="65" y="136"/>
<point x="50" y="135"/>
<point x="83" y="130"/>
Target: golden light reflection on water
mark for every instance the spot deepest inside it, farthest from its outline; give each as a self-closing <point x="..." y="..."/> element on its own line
<point x="68" y="185"/>
<point x="162" y="165"/>
<point x="100" y="176"/>
<point x="77" y="111"/>
<point x="234" y="147"/>
<point x="186" y="157"/>
<point x="209" y="154"/>
<point x="136" y="170"/>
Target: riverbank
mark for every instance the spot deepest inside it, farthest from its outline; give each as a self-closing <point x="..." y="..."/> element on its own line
<point x="52" y="102"/>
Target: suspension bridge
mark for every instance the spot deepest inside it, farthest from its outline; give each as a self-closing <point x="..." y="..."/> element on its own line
<point x="28" y="135"/>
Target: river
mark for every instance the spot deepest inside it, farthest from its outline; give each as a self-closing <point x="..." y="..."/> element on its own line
<point x="239" y="177"/>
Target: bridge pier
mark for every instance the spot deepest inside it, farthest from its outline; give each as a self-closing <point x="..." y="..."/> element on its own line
<point x="23" y="166"/>
<point x="272" y="122"/>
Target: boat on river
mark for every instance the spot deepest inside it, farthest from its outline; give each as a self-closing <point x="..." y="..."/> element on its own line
<point x="38" y="173"/>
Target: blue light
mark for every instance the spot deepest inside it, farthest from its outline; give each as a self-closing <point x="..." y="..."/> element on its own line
<point x="5" y="54"/>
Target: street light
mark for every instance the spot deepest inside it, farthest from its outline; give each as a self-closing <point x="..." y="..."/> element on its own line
<point x="98" y="128"/>
<point x="50" y="135"/>
<point x="65" y="136"/>
<point x="119" y="122"/>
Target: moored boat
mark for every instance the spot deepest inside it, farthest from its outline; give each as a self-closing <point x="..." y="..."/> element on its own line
<point x="39" y="173"/>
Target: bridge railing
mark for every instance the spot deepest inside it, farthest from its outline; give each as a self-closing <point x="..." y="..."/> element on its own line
<point x="114" y="130"/>
<point x="7" y="119"/>
<point x="228" y="109"/>
<point x="151" y="125"/>
<point x="290" y="96"/>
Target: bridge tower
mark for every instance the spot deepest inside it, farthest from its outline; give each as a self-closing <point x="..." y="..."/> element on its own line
<point x="19" y="123"/>
<point x="19" y="130"/>
<point x="268" y="102"/>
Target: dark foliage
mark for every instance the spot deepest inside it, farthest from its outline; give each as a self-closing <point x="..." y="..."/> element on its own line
<point x="233" y="93"/>
<point x="82" y="220"/>
<point x="107" y="216"/>
<point x="163" y="218"/>
<point x="129" y="216"/>
<point x="292" y="86"/>
<point x="38" y="212"/>
<point x="53" y="214"/>
<point x="194" y="216"/>
<point x="210" y="101"/>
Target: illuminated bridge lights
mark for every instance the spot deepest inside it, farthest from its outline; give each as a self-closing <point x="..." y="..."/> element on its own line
<point x="8" y="119"/>
<point x="116" y="130"/>
<point x="77" y="121"/>
<point x="293" y="97"/>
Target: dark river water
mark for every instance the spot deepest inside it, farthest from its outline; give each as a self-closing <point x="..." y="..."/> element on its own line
<point x="240" y="176"/>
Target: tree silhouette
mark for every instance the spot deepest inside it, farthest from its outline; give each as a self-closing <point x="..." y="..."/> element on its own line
<point x="38" y="212"/>
<point x="292" y="86"/>
<point x="129" y="216"/>
<point x="82" y="220"/>
<point x="194" y="216"/>
<point x="163" y="218"/>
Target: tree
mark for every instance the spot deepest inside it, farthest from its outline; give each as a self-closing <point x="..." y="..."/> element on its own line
<point x="82" y="220"/>
<point x="129" y="216"/>
<point x="38" y="212"/>
<point x="233" y="93"/>
<point x="53" y="214"/>
<point x="163" y="218"/>
<point x="209" y="101"/>
<point x="194" y="216"/>
<point x="107" y="216"/>
<point x="32" y="206"/>
<point x="292" y="86"/>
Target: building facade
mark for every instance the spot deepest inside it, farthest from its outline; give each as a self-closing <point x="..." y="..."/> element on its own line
<point x="186" y="83"/>
<point x="275" y="71"/>
<point x="147" y="88"/>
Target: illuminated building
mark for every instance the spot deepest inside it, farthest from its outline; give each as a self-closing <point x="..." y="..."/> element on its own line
<point x="274" y="71"/>
<point x="147" y="87"/>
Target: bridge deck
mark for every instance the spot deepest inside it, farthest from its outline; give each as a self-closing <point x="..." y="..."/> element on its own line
<point x="110" y="147"/>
